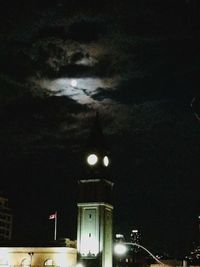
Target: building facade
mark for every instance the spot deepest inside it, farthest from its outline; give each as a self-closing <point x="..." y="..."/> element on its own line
<point x="38" y="256"/>
<point x="94" y="238"/>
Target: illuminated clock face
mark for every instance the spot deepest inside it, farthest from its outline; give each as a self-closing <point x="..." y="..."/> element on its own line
<point x="106" y="161"/>
<point x="92" y="159"/>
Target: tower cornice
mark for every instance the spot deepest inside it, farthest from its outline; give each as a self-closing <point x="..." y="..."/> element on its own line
<point x="84" y="181"/>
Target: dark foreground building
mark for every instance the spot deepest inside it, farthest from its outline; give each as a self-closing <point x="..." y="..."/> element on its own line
<point x="6" y="219"/>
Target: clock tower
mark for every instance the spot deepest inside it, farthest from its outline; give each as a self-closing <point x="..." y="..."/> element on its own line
<point x="95" y="209"/>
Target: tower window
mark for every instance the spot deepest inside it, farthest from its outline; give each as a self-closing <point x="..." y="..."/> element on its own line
<point x="90" y="216"/>
<point x="89" y="234"/>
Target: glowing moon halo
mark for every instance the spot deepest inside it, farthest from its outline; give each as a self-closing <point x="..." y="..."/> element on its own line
<point x="73" y="83"/>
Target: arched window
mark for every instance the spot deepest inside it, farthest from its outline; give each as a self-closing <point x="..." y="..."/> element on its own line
<point x="49" y="262"/>
<point x="26" y="262"/>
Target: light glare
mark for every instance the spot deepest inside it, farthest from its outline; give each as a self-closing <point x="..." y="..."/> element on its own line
<point x="120" y="249"/>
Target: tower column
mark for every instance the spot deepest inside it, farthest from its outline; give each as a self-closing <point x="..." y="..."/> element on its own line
<point x="95" y="209"/>
<point x="94" y="233"/>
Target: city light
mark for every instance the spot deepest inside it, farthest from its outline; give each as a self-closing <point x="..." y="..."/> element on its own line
<point x="119" y="236"/>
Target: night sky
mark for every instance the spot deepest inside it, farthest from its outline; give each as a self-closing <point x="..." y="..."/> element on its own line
<point x="137" y="64"/>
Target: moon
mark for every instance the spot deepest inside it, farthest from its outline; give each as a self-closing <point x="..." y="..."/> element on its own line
<point x="73" y="83"/>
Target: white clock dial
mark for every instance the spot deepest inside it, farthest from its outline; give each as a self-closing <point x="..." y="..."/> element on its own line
<point x="92" y="159"/>
<point x="106" y="161"/>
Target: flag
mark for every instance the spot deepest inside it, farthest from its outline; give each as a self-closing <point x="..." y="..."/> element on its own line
<point x="52" y="216"/>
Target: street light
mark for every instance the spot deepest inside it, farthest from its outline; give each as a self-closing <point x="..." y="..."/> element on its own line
<point x="121" y="249"/>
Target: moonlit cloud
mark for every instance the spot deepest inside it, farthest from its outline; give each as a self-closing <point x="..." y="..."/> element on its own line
<point x="86" y="62"/>
<point x="81" y="90"/>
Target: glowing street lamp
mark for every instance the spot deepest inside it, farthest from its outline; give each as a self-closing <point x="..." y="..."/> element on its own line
<point x="121" y="249"/>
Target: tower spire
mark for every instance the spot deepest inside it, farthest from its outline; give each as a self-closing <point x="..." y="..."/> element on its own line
<point x="96" y="138"/>
<point x="97" y="153"/>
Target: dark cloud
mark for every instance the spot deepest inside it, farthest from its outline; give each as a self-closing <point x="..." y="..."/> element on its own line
<point x="88" y="29"/>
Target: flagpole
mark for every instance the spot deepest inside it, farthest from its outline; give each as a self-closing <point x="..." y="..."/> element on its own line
<point x="55" y="228"/>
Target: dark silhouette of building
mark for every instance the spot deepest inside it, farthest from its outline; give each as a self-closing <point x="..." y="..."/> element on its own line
<point x="6" y="219"/>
